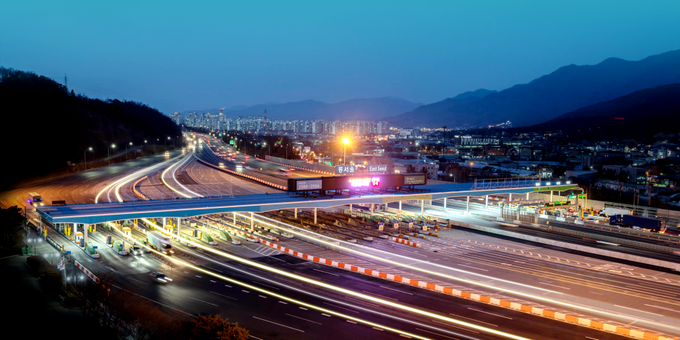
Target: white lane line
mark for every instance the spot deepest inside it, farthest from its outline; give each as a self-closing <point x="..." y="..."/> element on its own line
<point x="297" y="317"/>
<point x="264" y="284"/>
<point x="494" y="314"/>
<point x="475" y="320"/>
<point x="396" y="290"/>
<point x="345" y="308"/>
<point x="193" y="298"/>
<point x="325" y="272"/>
<point x="198" y="276"/>
<point x="659" y="307"/>
<point x="262" y="296"/>
<point x="245" y="291"/>
<point x="450" y="325"/>
<point x="326" y="315"/>
<point x="462" y="265"/>
<point x="278" y="324"/>
<point x="378" y="329"/>
<point x="228" y="286"/>
<point x="639" y="311"/>
<point x="283" y="302"/>
<point x="550" y="284"/>
<point x="303" y="308"/>
<point x="222" y="295"/>
<point x="405" y="336"/>
<point x="213" y="281"/>
<point x="595" y="293"/>
<point x="442" y="335"/>
<point x="382" y="296"/>
<point x="592" y="338"/>
<point x="254" y="337"/>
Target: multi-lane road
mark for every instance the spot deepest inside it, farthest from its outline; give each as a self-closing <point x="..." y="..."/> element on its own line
<point x="286" y="305"/>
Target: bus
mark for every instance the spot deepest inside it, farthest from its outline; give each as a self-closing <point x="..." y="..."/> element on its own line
<point x="35" y="199"/>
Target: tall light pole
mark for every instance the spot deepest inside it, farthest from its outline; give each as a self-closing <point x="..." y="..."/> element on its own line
<point x="345" y="141"/>
<point x="126" y="154"/>
<point x="85" y="156"/>
<point x="109" y="152"/>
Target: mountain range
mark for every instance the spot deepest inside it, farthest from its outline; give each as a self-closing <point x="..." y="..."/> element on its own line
<point x="354" y="109"/>
<point x="639" y="114"/>
<point x="564" y="90"/>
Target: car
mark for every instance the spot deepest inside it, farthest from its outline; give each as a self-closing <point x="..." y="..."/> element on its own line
<point x="221" y="165"/>
<point x="235" y="242"/>
<point x="135" y="250"/>
<point x="167" y="154"/>
<point x="160" y="278"/>
<point x="243" y="163"/>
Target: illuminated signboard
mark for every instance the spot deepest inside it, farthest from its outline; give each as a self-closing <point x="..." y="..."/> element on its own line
<point x="557" y="204"/>
<point x="377" y="168"/>
<point x="364" y="182"/>
<point x="414" y="179"/>
<point x="309" y="185"/>
<point x="345" y="169"/>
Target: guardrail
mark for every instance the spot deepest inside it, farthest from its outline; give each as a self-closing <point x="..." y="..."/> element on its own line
<point x="139" y="194"/>
<point x="298" y="167"/>
<point x="281" y="187"/>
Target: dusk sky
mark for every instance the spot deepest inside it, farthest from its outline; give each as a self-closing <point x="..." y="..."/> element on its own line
<point x="188" y="55"/>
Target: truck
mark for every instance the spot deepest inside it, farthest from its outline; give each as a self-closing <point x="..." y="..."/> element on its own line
<point x="159" y="242"/>
<point x="653" y="224"/>
<point x="609" y="211"/>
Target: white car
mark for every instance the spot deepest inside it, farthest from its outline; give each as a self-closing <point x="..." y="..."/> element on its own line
<point x="160" y="278"/>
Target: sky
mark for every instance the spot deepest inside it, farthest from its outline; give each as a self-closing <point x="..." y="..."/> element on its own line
<point x="196" y="55"/>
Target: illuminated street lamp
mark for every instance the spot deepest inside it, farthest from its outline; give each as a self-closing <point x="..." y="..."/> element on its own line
<point x="109" y="152"/>
<point x="345" y="141"/>
<point x="85" y="155"/>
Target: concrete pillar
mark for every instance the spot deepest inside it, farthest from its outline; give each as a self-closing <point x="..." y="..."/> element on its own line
<point x="551" y="194"/>
<point x="486" y="201"/>
<point x="75" y="230"/>
<point x="467" y="204"/>
<point x="234" y="214"/>
<point x="371" y="208"/>
<point x="422" y="207"/>
<point x="314" y="215"/>
<point x="179" y="223"/>
<point x="164" y="222"/>
<point x="85" y="230"/>
<point x="510" y="197"/>
<point x="295" y="213"/>
<point x="350" y="207"/>
<point x="527" y="196"/>
<point x="399" y="205"/>
<point x="445" y="203"/>
<point x="252" y="223"/>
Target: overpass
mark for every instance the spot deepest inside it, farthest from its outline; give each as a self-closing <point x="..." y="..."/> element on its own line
<point x="181" y="208"/>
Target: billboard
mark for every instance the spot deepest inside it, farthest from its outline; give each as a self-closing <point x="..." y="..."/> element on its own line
<point x="311" y="184"/>
<point x="414" y="179"/>
<point x="356" y="182"/>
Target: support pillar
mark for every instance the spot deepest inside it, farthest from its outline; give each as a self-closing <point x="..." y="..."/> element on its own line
<point x="527" y="196"/>
<point x="314" y="215"/>
<point x="551" y="196"/>
<point x="252" y="223"/>
<point x="486" y="201"/>
<point x="445" y="203"/>
<point x="467" y="204"/>
<point x="234" y="214"/>
<point x="422" y="207"/>
<point x="75" y="231"/>
<point x="350" y="208"/>
<point x="399" y="205"/>
<point x="85" y="230"/>
<point x="164" y="222"/>
<point x="371" y="208"/>
<point x="179" y="223"/>
<point x="295" y="213"/>
<point x="510" y="197"/>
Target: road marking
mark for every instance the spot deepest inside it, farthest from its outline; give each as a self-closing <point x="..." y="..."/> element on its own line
<point x="264" y="284"/>
<point x="213" y="281"/>
<point x="639" y="311"/>
<point x="462" y="265"/>
<point x="475" y="320"/>
<point x="198" y="276"/>
<point x="592" y="338"/>
<point x="336" y="306"/>
<point x="378" y="329"/>
<point x="303" y="308"/>
<point x="442" y="335"/>
<point x="262" y="296"/>
<point x="222" y="295"/>
<point x="595" y="293"/>
<point x="494" y="314"/>
<point x="278" y="324"/>
<point x="450" y="325"/>
<point x="324" y="314"/>
<point x="245" y="291"/>
<point x="405" y="336"/>
<point x="227" y="286"/>
<point x="254" y="337"/>
<point x="396" y="290"/>
<point x="193" y="298"/>
<point x="550" y="284"/>
<point x="283" y="302"/>
<point x="295" y="316"/>
<point x="659" y="307"/>
<point x="325" y="272"/>
<point x="382" y="296"/>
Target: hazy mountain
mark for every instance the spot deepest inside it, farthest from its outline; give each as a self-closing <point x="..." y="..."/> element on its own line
<point x="641" y="113"/>
<point x="360" y="109"/>
<point x="564" y="90"/>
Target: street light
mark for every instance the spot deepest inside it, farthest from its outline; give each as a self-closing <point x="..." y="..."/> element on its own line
<point x="126" y="155"/>
<point x="345" y="141"/>
<point x="109" y="152"/>
<point x="85" y="156"/>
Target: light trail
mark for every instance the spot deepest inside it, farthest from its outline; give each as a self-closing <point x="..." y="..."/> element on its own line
<point x="128" y="178"/>
<point x="273" y="294"/>
<point x="343" y="290"/>
<point x="527" y="295"/>
<point x="176" y="181"/>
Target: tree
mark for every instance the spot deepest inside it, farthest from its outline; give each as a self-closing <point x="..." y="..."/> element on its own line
<point x="10" y="224"/>
<point x="211" y="327"/>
